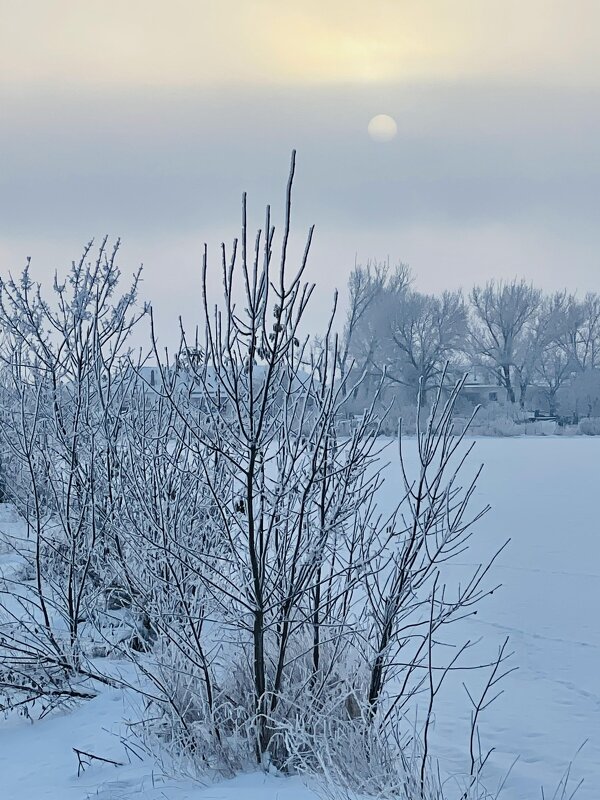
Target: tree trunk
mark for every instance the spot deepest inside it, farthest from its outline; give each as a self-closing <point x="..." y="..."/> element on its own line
<point x="522" y="396"/>
<point x="507" y="382"/>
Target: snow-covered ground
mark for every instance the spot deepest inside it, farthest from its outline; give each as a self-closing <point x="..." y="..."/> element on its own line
<point x="544" y="493"/>
<point x="544" y="496"/>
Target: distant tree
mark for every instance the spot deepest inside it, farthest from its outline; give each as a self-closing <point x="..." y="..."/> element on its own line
<point x="536" y="355"/>
<point x="501" y="317"/>
<point x="423" y="334"/>
<point x="581" y="336"/>
<point x="552" y="363"/>
<point x="370" y="290"/>
<point x="365" y="286"/>
<point x="582" y="397"/>
<point x="553" y="372"/>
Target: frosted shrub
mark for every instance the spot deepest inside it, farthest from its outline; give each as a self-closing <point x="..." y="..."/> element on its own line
<point x="496" y="421"/>
<point x="502" y="426"/>
<point x="589" y="426"/>
<point x="62" y="396"/>
<point x="288" y="616"/>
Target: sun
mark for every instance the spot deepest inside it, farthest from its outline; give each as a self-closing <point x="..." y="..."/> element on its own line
<point x="382" y="128"/>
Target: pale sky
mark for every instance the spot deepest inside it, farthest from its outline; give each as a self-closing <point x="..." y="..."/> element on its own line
<point x="146" y="119"/>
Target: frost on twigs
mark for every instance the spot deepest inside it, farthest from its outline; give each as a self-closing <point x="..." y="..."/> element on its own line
<point x="294" y="626"/>
<point x="63" y="386"/>
<point x="211" y="517"/>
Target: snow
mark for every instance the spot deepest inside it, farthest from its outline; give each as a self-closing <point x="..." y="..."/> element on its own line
<point x="544" y="496"/>
<point x="37" y="762"/>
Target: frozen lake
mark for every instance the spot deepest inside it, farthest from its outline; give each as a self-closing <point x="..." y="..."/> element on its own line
<point x="544" y="494"/>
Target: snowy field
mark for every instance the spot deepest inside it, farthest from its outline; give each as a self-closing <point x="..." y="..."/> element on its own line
<point x="544" y="493"/>
<point x="544" y="496"/>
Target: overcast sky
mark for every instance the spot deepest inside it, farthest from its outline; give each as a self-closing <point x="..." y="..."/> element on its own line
<point x="146" y="119"/>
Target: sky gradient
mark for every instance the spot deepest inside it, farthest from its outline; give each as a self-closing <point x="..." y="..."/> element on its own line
<point x="146" y="119"/>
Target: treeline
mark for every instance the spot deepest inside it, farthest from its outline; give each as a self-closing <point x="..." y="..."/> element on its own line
<point x="510" y="334"/>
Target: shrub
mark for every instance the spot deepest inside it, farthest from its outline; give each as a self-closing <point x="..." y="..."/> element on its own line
<point x="589" y="426"/>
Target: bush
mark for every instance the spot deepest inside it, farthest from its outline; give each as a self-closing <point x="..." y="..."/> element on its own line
<point x="589" y="426"/>
<point x="291" y="621"/>
<point x="492" y="421"/>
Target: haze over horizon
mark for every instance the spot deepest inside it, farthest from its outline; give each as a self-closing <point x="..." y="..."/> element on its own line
<point x="147" y="120"/>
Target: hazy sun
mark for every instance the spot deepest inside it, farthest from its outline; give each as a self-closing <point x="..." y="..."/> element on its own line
<point x="382" y="128"/>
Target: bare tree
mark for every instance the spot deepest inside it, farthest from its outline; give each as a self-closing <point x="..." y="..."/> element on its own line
<point x="366" y="288"/>
<point x="423" y="334"/>
<point x="551" y="362"/>
<point x="540" y="336"/>
<point x="501" y="315"/>
<point x="580" y="337"/>
<point x="363" y="341"/>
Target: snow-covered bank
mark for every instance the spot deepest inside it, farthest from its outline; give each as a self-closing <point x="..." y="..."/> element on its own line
<point x="37" y="762"/>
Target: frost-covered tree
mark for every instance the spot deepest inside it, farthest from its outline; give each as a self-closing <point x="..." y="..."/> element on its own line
<point x="502" y="314"/>
<point x="580" y="337"/>
<point x="549" y="362"/>
<point x="363" y="342"/>
<point x="425" y="333"/>
<point x="366" y="289"/>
